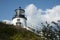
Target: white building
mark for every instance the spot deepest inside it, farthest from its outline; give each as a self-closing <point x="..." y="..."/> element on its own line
<point x="19" y="18"/>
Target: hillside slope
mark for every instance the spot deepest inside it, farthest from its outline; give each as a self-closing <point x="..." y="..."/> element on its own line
<point x="10" y="32"/>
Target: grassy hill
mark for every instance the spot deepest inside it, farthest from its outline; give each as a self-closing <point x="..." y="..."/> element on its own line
<point x="10" y="32"/>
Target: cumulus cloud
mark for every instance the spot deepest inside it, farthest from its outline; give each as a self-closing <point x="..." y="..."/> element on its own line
<point x="35" y="16"/>
<point x="53" y="14"/>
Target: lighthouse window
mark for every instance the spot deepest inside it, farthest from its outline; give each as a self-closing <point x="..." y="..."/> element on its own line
<point x="18" y="23"/>
<point x="18" y="19"/>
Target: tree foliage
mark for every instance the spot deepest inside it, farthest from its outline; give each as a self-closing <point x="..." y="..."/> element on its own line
<point x="48" y="33"/>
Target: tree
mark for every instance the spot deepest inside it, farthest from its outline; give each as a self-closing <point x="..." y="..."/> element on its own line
<point x="47" y="31"/>
<point x="57" y="32"/>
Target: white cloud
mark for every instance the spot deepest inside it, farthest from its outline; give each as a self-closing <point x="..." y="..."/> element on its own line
<point x="35" y="16"/>
<point x="7" y="21"/>
<point x="53" y="14"/>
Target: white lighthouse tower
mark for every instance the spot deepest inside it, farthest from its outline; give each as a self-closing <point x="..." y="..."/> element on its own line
<point x="19" y="18"/>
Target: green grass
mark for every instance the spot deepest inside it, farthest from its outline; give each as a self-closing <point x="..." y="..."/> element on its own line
<point x="10" y="32"/>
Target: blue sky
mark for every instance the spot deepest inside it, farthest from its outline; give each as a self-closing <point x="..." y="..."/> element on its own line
<point x="7" y="7"/>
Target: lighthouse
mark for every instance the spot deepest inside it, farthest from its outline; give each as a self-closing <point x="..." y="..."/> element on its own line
<point x="19" y="18"/>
